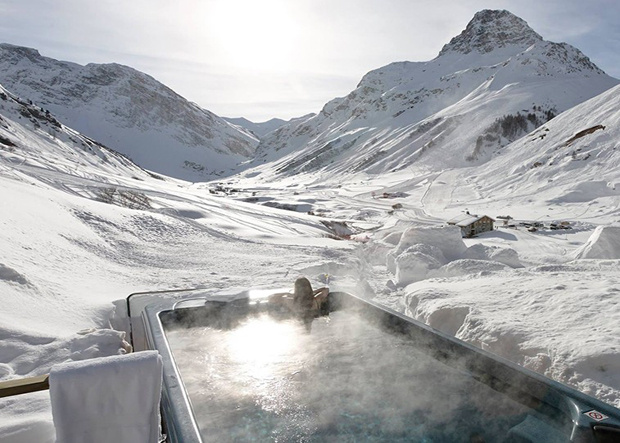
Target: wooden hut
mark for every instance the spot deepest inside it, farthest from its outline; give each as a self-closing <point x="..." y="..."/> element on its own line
<point x="472" y="225"/>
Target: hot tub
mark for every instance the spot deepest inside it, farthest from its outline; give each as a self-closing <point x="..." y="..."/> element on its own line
<point x="236" y="369"/>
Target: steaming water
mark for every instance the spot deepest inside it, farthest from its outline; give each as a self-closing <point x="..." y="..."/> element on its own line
<point x="345" y="380"/>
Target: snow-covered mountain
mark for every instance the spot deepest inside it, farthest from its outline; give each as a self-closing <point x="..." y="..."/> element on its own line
<point x="263" y="128"/>
<point x="575" y="158"/>
<point x="490" y="85"/>
<point x="32" y="137"/>
<point x="129" y="111"/>
<point x="569" y="167"/>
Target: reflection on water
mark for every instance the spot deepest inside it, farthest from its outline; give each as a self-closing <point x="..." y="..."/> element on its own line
<point x="258" y="346"/>
<point x="270" y="380"/>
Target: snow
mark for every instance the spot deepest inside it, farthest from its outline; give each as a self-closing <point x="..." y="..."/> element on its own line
<point x="464" y="220"/>
<point x="437" y="114"/>
<point x="507" y="256"/>
<point x="67" y="258"/>
<point x="604" y="243"/>
<point x="130" y="112"/>
<point x="414" y="263"/>
<point x="425" y="252"/>
<point x="81" y="228"/>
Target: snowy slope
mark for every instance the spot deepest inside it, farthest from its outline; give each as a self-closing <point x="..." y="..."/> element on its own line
<point x="573" y="159"/>
<point x="83" y="227"/>
<point x="570" y="164"/>
<point x="32" y="136"/>
<point x="130" y="112"/>
<point x="492" y="84"/>
<point x="67" y="197"/>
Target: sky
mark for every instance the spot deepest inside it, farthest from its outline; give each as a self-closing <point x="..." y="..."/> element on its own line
<point x="282" y="58"/>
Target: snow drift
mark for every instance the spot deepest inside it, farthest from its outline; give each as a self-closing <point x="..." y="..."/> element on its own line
<point x="604" y="243"/>
<point x="427" y="252"/>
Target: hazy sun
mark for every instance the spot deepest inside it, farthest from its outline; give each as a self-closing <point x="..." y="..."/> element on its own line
<point x="254" y="34"/>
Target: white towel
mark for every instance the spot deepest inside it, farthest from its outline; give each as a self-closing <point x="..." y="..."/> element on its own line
<point x="109" y="399"/>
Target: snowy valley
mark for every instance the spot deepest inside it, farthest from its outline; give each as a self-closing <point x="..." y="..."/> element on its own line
<point x="502" y="123"/>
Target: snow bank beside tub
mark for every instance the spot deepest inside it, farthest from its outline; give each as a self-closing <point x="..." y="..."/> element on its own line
<point x="28" y="418"/>
<point x="467" y="267"/>
<point x="546" y="318"/>
<point x="507" y="256"/>
<point x="447" y="239"/>
<point x="415" y="263"/>
<point x="604" y="243"/>
<point x="427" y="252"/>
<point x="29" y="355"/>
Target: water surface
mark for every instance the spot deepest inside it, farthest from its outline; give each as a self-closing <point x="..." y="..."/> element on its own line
<point x="270" y="379"/>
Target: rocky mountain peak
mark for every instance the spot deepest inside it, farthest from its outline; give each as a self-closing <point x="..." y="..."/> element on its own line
<point x="495" y="82"/>
<point x="16" y="53"/>
<point x="490" y="30"/>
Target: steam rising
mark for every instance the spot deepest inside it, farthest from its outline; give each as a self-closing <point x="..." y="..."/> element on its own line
<point x="346" y="380"/>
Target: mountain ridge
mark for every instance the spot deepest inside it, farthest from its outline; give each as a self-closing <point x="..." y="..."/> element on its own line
<point x="493" y="83"/>
<point x="129" y="111"/>
<point x="433" y="114"/>
<point x="260" y="129"/>
<point x="492" y="29"/>
<point x="32" y="138"/>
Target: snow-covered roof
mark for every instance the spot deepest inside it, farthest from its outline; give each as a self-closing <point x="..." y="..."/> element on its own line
<point x="466" y="219"/>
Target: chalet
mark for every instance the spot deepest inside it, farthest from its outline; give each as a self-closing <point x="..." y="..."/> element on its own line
<point x="472" y="225"/>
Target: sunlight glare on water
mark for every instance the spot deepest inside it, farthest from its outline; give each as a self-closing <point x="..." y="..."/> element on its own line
<point x="269" y="379"/>
<point x="259" y="345"/>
